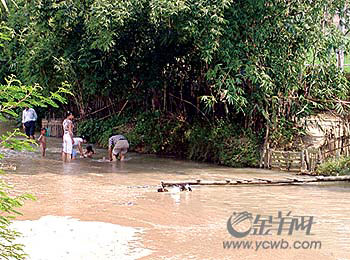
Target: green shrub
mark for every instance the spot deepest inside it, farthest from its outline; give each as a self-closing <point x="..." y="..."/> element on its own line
<point x="147" y="132"/>
<point x="340" y="166"/>
<point x="167" y="134"/>
<point x="224" y="144"/>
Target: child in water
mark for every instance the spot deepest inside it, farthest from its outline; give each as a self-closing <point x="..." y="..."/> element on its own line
<point x="42" y="141"/>
<point x="78" y="145"/>
<point x="89" y="151"/>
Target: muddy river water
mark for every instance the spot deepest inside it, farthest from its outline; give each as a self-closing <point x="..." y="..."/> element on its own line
<point x="186" y="225"/>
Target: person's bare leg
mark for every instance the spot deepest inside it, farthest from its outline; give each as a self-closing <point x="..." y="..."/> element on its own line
<point x="66" y="157"/>
<point x="122" y="157"/>
<point x="80" y="148"/>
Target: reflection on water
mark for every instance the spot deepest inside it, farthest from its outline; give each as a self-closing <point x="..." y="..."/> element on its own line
<point x="186" y="225"/>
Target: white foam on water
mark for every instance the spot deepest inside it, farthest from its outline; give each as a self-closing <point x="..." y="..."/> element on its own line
<point x="102" y="160"/>
<point x="53" y="238"/>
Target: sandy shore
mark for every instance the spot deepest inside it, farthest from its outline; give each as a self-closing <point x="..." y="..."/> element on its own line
<point x="53" y="237"/>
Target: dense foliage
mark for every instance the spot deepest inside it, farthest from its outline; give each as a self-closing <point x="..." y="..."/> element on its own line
<point x="335" y="167"/>
<point x="219" y="142"/>
<point x="256" y="64"/>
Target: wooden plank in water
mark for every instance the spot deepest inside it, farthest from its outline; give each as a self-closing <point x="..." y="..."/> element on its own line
<point x="204" y="182"/>
<point x="260" y="181"/>
<point x="303" y="179"/>
<point x="334" y="178"/>
<point x="264" y="180"/>
<point x="283" y="181"/>
<point x="231" y="182"/>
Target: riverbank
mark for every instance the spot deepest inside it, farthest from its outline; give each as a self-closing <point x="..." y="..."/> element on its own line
<point x="220" y="142"/>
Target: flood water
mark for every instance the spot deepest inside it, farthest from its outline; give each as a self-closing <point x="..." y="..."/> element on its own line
<point x="186" y="225"/>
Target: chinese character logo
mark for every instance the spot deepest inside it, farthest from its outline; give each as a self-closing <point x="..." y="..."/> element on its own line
<point x="240" y="224"/>
<point x="243" y="223"/>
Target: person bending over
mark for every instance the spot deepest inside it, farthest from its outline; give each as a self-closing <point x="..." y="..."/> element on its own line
<point x="117" y="145"/>
<point x="89" y="152"/>
<point x="78" y="143"/>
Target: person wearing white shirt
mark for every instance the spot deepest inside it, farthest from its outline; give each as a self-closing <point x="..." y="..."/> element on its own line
<point x="78" y="141"/>
<point x="68" y="137"/>
<point x="29" y="117"/>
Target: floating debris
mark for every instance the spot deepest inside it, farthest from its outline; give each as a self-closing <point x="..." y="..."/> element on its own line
<point x="8" y="167"/>
<point x="175" y="188"/>
<point x="162" y="189"/>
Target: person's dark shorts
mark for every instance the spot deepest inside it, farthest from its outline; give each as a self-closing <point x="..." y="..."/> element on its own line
<point x="30" y="128"/>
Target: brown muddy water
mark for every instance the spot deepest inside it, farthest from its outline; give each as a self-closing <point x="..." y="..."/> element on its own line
<point x="186" y="225"/>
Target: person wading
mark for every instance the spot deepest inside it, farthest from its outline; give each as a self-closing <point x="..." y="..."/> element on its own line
<point x="28" y="120"/>
<point x="117" y="144"/>
<point x="68" y="140"/>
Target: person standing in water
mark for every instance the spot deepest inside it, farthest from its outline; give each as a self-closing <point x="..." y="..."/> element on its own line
<point x="117" y="144"/>
<point x="42" y="141"/>
<point x="68" y="138"/>
<point x="29" y="117"/>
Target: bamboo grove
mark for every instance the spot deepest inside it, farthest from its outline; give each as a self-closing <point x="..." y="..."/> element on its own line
<point x="257" y="64"/>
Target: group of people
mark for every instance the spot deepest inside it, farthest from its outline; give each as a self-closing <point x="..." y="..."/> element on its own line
<point x="70" y="143"/>
<point x="118" y="145"/>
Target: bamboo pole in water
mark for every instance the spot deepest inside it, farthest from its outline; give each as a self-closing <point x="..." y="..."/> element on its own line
<point x="258" y="181"/>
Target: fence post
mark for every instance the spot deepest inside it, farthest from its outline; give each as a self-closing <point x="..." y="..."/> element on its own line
<point x="307" y="160"/>
<point x="303" y="163"/>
